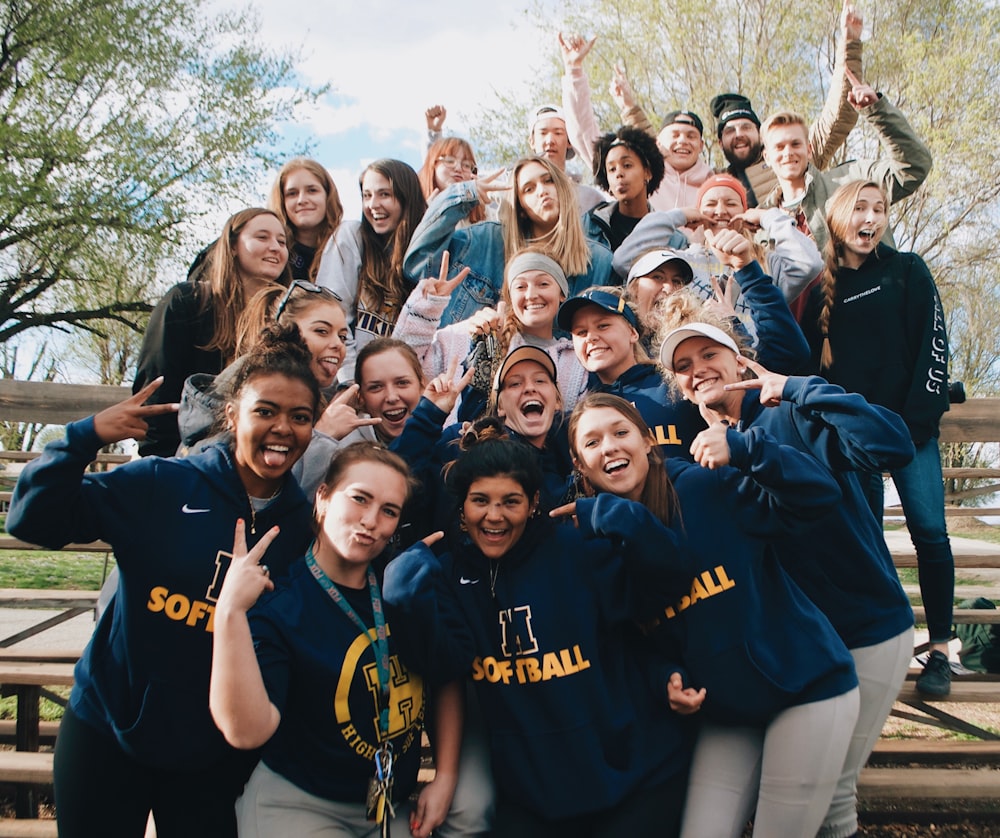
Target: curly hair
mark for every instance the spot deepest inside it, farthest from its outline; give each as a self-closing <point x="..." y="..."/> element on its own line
<point x="638" y="142"/>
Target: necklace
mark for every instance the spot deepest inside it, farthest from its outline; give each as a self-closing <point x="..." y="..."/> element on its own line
<point x="494" y="570"/>
<point x="263" y="503"/>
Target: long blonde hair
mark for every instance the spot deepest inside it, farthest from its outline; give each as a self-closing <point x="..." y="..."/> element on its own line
<point x="839" y="209"/>
<point x="567" y="243"/>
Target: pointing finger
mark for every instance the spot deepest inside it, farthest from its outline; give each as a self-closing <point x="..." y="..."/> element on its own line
<point x="433" y="538"/>
<point x="564" y="510"/>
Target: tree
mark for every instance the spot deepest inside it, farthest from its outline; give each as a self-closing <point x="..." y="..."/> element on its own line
<point x="119" y="119"/>
<point x="922" y="54"/>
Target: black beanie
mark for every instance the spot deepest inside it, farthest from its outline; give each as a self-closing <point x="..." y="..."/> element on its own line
<point x="727" y="106"/>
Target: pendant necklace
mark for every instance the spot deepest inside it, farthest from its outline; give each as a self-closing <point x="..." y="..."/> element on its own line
<point x="494" y="570"/>
<point x="264" y="503"/>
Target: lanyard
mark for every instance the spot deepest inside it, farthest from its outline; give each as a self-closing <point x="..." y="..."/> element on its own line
<point x="380" y="644"/>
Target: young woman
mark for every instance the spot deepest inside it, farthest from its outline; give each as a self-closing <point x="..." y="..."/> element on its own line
<point x="542" y="213"/>
<point x="790" y="258"/>
<point x="876" y="327"/>
<point x="540" y="619"/>
<point x="364" y="266"/>
<point x="305" y="198"/>
<point x="137" y="735"/>
<point x="193" y="328"/>
<point x="840" y="562"/>
<point x="450" y="160"/>
<point x="312" y="673"/>
<point x="773" y="684"/>
<point x="534" y="288"/>
<point x="629" y="167"/>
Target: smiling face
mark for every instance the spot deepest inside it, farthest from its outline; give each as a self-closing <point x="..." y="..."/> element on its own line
<point x="627" y="174"/>
<point x="390" y="389"/>
<point x="702" y="368"/>
<point x="379" y="203"/>
<point x="495" y="512"/>
<point x="537" y="195"/>
<point x="680" y="144"/>
<point x="357" y="517"/>
<point x="721" y="204"/>
<point x="864" y="228"/>
<point x="611" y="452"/>
<point x="786" y="150"/>
<point x="324" y="328"/>
<point x="271" y="423"/>
<point x="535" y="297"/>
<point x="657" y="285"/>
<point x="261" y="250"/>
<point x="549" y="139"/>
<point x="604" y="342"/>
<point x="528" y="401"/>
<point x="304" y="198"/>
<point x="740" y="142"/>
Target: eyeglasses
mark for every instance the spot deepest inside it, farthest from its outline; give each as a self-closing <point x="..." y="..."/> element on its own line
<point x="467" y="166"/>
<point x="310" y="287"/>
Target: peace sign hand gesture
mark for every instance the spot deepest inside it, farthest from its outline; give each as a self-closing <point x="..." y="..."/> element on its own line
<point x="770" y="384"/>
<point x="442" y="286"/>
<point x="127" y="419"/>
<point x="443" y="390"/>
<point x="247" y="578"/>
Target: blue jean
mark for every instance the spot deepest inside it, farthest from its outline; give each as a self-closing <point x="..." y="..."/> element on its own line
<point x="921" y="494"/>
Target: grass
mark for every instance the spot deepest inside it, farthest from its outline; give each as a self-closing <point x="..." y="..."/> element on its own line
<point x="57" y="571"/>
<point x="49" y="711"/>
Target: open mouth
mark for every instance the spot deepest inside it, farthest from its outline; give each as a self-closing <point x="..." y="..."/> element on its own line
<point x="866" y="234"/>
<point x="330" y="363"/>
<point x="533" y="407"/>
<point x="275" y="456"/>
<point x="395" y="415"/>
<point x="616" y="465"/>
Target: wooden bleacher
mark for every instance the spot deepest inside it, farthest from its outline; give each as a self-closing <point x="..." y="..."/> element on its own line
<point x="973" y="772"/>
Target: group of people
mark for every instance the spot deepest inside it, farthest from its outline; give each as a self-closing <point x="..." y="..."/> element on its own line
<point x="586" y="481"/>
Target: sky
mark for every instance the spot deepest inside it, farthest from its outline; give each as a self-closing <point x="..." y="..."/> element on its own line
<point x="386" y="61"/>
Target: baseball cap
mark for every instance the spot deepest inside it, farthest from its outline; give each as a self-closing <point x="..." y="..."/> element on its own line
<point x="602" y="299"/>
<point x="651" y="261"/>
<point x="692" y="330"/>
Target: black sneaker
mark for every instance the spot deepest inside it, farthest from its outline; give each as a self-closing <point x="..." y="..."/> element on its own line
<point x="936" y="678"/>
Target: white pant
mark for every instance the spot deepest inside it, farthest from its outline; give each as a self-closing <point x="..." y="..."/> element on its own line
<point x="788" y="770"/>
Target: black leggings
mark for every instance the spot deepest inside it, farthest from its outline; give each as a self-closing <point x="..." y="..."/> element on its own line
<point x="100" y="790"/>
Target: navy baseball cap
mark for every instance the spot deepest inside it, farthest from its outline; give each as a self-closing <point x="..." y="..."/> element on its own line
<point x="601" y="299"/>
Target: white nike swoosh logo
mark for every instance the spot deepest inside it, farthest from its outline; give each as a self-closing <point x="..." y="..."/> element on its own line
<point x="187" y="510"/>
<point x="463" y="581"/>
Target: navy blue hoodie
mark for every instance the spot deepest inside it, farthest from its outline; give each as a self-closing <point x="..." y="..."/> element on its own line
<point x="841" y="560"/>
<point x="574" y="724"/>
<point x="143" y="678"/>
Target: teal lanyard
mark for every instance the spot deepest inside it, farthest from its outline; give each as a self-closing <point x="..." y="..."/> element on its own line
<point x="380" y="644"/>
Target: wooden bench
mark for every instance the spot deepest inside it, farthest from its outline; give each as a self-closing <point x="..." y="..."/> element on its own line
<point x="69" y="604"/>
<point x="31" y="828"/>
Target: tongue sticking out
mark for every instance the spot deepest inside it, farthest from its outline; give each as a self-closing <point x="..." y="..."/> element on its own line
<point x="274" y="459"/>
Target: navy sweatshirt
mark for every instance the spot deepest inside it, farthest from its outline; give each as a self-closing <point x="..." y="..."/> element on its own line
<point x="143" y="678"/>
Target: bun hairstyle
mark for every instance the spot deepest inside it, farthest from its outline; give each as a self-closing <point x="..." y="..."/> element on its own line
<point x="278" y="350"/>
<point x="658" y="493"/>
<point x="639" y="143"/>
<point x="839" y="208"/>
<point x="487" y="451"/>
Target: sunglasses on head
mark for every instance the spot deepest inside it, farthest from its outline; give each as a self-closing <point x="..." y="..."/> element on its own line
<point x="311" y="288"/>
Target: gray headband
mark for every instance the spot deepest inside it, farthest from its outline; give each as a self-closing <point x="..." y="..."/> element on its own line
<point x="532" y="261"/>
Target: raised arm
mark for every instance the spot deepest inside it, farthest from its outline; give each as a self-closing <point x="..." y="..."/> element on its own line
<point x="831" y="128"/>
<point x="237" y="696"/>
<point x="581" y="124"/>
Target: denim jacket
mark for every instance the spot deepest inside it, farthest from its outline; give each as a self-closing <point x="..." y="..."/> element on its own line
<point x="480" y="248"/>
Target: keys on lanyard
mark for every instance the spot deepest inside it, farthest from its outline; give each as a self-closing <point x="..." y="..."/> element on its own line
<point x="379" y="799"/>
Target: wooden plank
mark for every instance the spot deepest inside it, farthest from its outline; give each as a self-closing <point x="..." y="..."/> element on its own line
<point x="963" y="615"/>
<point x="40" y="655"/>
<point x="52" y="403"/>
<point x="930" y="783"/>
<point x="964" y="562"/>
<point x="969" y="473"/>
<point x="47" y="731"/>
<point x="27" y="456"/>
<point x="47" y="598"/>
<point x="41" y="674"/>
<point x="971" y="511"/>
<point x="935" y="751"/>
<point x="964" y="692"/>
<point x="93" y="547"/>
<point x="977" y="420"/>
<point x="25" y="767"/>
<point x="28" y="828"/>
